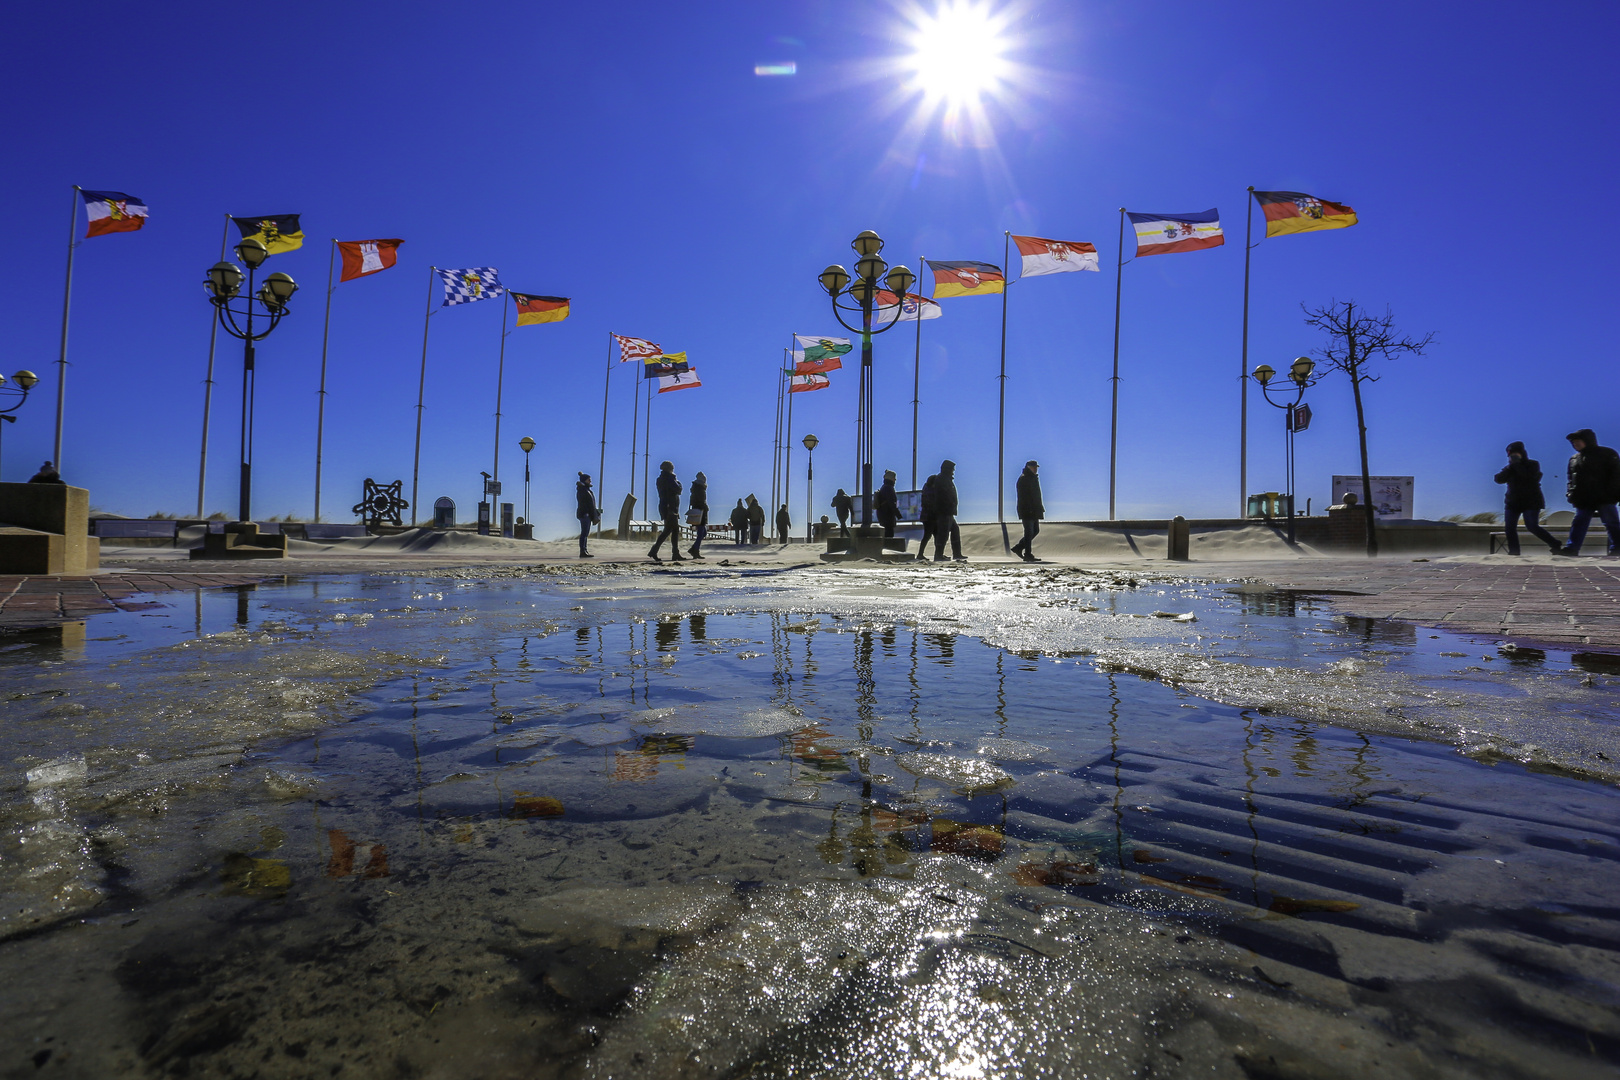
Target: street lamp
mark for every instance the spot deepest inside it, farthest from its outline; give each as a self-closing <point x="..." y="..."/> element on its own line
<point x="810" y="444"/>
<point x="1301" y="375"/>
<point x="224" y="281"/>
<point x="861" y="292"/>
<point x="527" y="444"/>
<point x="25" y="381"/>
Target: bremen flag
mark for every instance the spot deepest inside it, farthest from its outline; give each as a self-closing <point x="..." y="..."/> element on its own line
<point x="361" y="258"/>
<point x="278" y="232"/>
<point x="815" y="355"/>
<point x="539" y="309"/>
<point x="798" y="383"/>
<point x="1161" y="234"/>
<point x="1042" y="256"/>
<point x="685" y="379"/>
<point x="1294" y="212"/>
<point x="112" y="211"/>
<point x="915" y="309"/>
<point x="966" y="278"/>
<point x="635" y="348"/>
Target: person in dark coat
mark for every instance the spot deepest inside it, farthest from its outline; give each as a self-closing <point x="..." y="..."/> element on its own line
<point x="928" y="508"/>
<point x="669" y="509"/>
<point x="784" y="524"/>
<point x="586" y="511"/>
<point x="47" y="475"/>
<point x="843" y="505"/>
<point x="1030" y="510"/>
<point x="1523" y="479"/>
<point x="756" y="520"/>
<point x="888" y="506"/>
<point x="1594" y="488"/>
<point x="699" y="503"/>
<point x="945" y="514"/>
<point x="739" y="523"/>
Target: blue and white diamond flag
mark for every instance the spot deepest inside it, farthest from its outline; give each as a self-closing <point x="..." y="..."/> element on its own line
<point x="474" y="283"/>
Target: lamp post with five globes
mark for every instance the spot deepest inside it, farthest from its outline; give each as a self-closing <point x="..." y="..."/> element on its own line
<point x="224" y="281"/>
<point x="1300" y="375"/>
<point x="862" y="290"/>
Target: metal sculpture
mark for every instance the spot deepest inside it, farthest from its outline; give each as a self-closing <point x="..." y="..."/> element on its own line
<point x="381" y="504"/>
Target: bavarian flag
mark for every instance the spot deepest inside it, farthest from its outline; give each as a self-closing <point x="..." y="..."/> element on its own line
<point x="112" y="211"/>
<point x="966" y="278"/>
<point x="278" y="232"/>
<point x="1295" y="212"/>
<point x="539" y="309"/>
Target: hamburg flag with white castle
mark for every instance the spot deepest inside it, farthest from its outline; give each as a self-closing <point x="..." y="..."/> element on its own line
<point x="472" y="284"/>
<point x="362" y="258"/>
<point x="1161" y="234"/>
<point x="1043" y="256"/>
<point x="112" y="211"/>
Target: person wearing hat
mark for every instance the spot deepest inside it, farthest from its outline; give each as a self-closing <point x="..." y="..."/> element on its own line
<point x="756" y="520"/>
<point x="945" y="503"/>
<point x="669" y="509"/>
<point x="784" y="524"/>
<point x="1030" y="510"/>
<point x="698" y="514"/>
<point x="887" y="505"/>
<point x="1594" y="488"/>
<point x="47" y="475"/>
<point x="1523" y="479"/>
<point x="843" y="506"/>
<point x="586" y="511"/>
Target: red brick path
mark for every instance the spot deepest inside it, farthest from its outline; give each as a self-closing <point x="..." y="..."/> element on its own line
<point x="45" y="600"/>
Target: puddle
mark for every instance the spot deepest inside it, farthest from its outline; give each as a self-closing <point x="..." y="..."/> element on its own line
<point x="605" y="825"/>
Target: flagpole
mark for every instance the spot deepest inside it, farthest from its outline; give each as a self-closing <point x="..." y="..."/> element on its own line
<point x="320" y="408"/>
<point x="1001" y="423"/>
<point x="776" y="442"/>
<point x="1243" y="371"/>
<point x="208" y="381"/>
<point x="67" y="304"/>
<point x="635" y="431"/>
<point x="646" y="448"/>
<point x="601" y="464"/>
<point x="787" y="457"/>
<point x="1113" y="429"/>
<point x="421" y="389"/>
<point x="916" y="377"/>
<point x="500" y="381"/>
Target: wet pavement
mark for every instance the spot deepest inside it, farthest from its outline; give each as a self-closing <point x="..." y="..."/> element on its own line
<point x="949" y="821"/>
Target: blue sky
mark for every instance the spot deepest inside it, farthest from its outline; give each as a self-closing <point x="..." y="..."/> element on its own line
<point x="627" y="156"/>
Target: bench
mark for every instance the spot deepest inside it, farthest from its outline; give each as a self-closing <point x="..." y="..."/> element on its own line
<point x="136" y="529"/>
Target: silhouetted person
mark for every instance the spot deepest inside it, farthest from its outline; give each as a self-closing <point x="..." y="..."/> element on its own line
<point x="739" y="523"/>
<point x="843" y="505"/>
<point x="887" y="505"/>
<point x="756" y="520"/>
<point x="945" y="513"/>
<point x="669" y="509"/>
<point x="784" y="523"/>
<point x="929" y="509"/>
<point x="1030" y="510"/>
<point x="47" y="475"/>
<point x="1523" y="479"/>
<point x="699" y="502"/>
<point x="1594" y="487"/>
<point x="586" y="511"/>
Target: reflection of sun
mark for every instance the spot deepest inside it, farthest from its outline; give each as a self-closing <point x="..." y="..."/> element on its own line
<point x="957" y="53"/>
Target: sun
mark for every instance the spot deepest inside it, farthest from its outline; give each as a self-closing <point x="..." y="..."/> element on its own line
<point x="958" y="53"/>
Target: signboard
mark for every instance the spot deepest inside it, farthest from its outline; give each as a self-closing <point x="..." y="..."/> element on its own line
<point x="909" y="503"/>
<point x="1299" y="417"/>
<point x="1391" y="495"/>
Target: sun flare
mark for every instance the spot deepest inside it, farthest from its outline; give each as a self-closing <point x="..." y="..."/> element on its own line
<point x="958" y="53"/>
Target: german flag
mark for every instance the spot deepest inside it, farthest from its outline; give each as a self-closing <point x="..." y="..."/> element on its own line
<point x="539" y="309"/>
<point x="278" y="232"/>
<point x="1295" y="212"/>
<point x="966" y="278"/>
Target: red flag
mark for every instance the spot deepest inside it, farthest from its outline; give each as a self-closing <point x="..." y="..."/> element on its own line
<point x="362" y="258"/>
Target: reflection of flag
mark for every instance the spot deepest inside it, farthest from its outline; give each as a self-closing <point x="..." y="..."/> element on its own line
<point x="1042" y="256"/>
<point x="1295" y="212"/>
<point x="112" y="211"/>
<point x="914" y="304"/>
<point x="799" y="383"/>
<point x="966" y="278"/>
<point x="635" y="348"/>
<point x="470" y="285"/>
<point x="364" y="257"/>
<point x="278" y="232"/>
<point x="684" y="379"/>
<point x="1161" y="234"/>
<point x="813" y="355"/>
<point x="539" y="309"/>
<point x="667" y="364"/>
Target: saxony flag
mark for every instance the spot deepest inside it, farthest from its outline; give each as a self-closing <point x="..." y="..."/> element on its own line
<point x="1295" y="212"/>
<point x="1162" y="234"/>
<point x="362" y="258"/>
<point x="539" y="309"/>
<point x="813" y="355"/>
<point x="799" y="383"/>
<point x="278" y="232"/>
<point x="966" y="279"/>
<point x="112" y="211"/>
<point x="1042" y="256"/>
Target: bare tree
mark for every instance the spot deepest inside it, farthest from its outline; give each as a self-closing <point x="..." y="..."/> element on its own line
<point x="1355" y="339"/>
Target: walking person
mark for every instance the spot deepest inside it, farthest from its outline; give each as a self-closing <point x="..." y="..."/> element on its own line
<point x="843" y="505"/>
<point x="586" y="511"/>
<point x="669" y="509"/>
<point x="928" y="507"/>
<point x="784" y="524"/>
<point x="945" y="503"/>
<point x="739" y="524"/>
<point x="1523" y="479"/>
<point x="1030" y="510"/>
<point x="887" y="505"/>
<point x="698" y="515"/>
<point x="1594" y="487"/>
<point x="756" y="520"/>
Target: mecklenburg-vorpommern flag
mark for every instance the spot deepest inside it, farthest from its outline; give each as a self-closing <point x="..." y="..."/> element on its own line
<point x="1295" y="212"/>
<point x="1161" y="234"/>
<point x="799" y="383"/>
<point x="685" y="379"/>
<point x="112" y="211"/>
<point x="470" y="285"/>
<point x="1043" y="256"/>
<point x="362" y="258"/>
<point x="278" y="232"/>
<point x="966" y="279"/>
<point x="815" y="355"/>
<point x="539" y="309"/>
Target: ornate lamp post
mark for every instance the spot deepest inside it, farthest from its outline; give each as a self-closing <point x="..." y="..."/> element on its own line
<point x="225" y="282"/>
<point x="859" y="293"/>
<point x="25" y="381"/>
<point x="527" y="444"/>
<point x="1300" y="375"/>
<point x="810" y="444"/>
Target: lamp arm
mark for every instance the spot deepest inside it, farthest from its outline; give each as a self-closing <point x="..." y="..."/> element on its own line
<point x="836" y="314"/>
<point x="899" y="309"/>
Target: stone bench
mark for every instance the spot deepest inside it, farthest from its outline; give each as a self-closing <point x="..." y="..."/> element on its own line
<point x="45" y="529"/>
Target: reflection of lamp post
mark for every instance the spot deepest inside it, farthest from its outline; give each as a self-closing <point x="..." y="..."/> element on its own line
<point x="863" y="289"/>
<point x="527" y="444"/>
<point x="225" y="282"/>
<point x="25" y="381"/>
<point x="1299" y="373"/>
<point x="810" y="444"/>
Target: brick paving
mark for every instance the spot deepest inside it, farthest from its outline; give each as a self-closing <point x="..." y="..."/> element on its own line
<point x="32" y="601"/>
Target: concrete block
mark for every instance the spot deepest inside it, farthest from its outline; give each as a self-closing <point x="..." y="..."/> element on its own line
<point x="60" y="509"/>
<point x="30" y="551"/>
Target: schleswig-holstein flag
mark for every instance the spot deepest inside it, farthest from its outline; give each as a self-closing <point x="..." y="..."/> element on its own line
<point x="112" y="211"/>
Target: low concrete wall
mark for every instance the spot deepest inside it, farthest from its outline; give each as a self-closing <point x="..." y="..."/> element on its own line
<point x="1224" y="538"/>
<point x="59" y="509"/>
